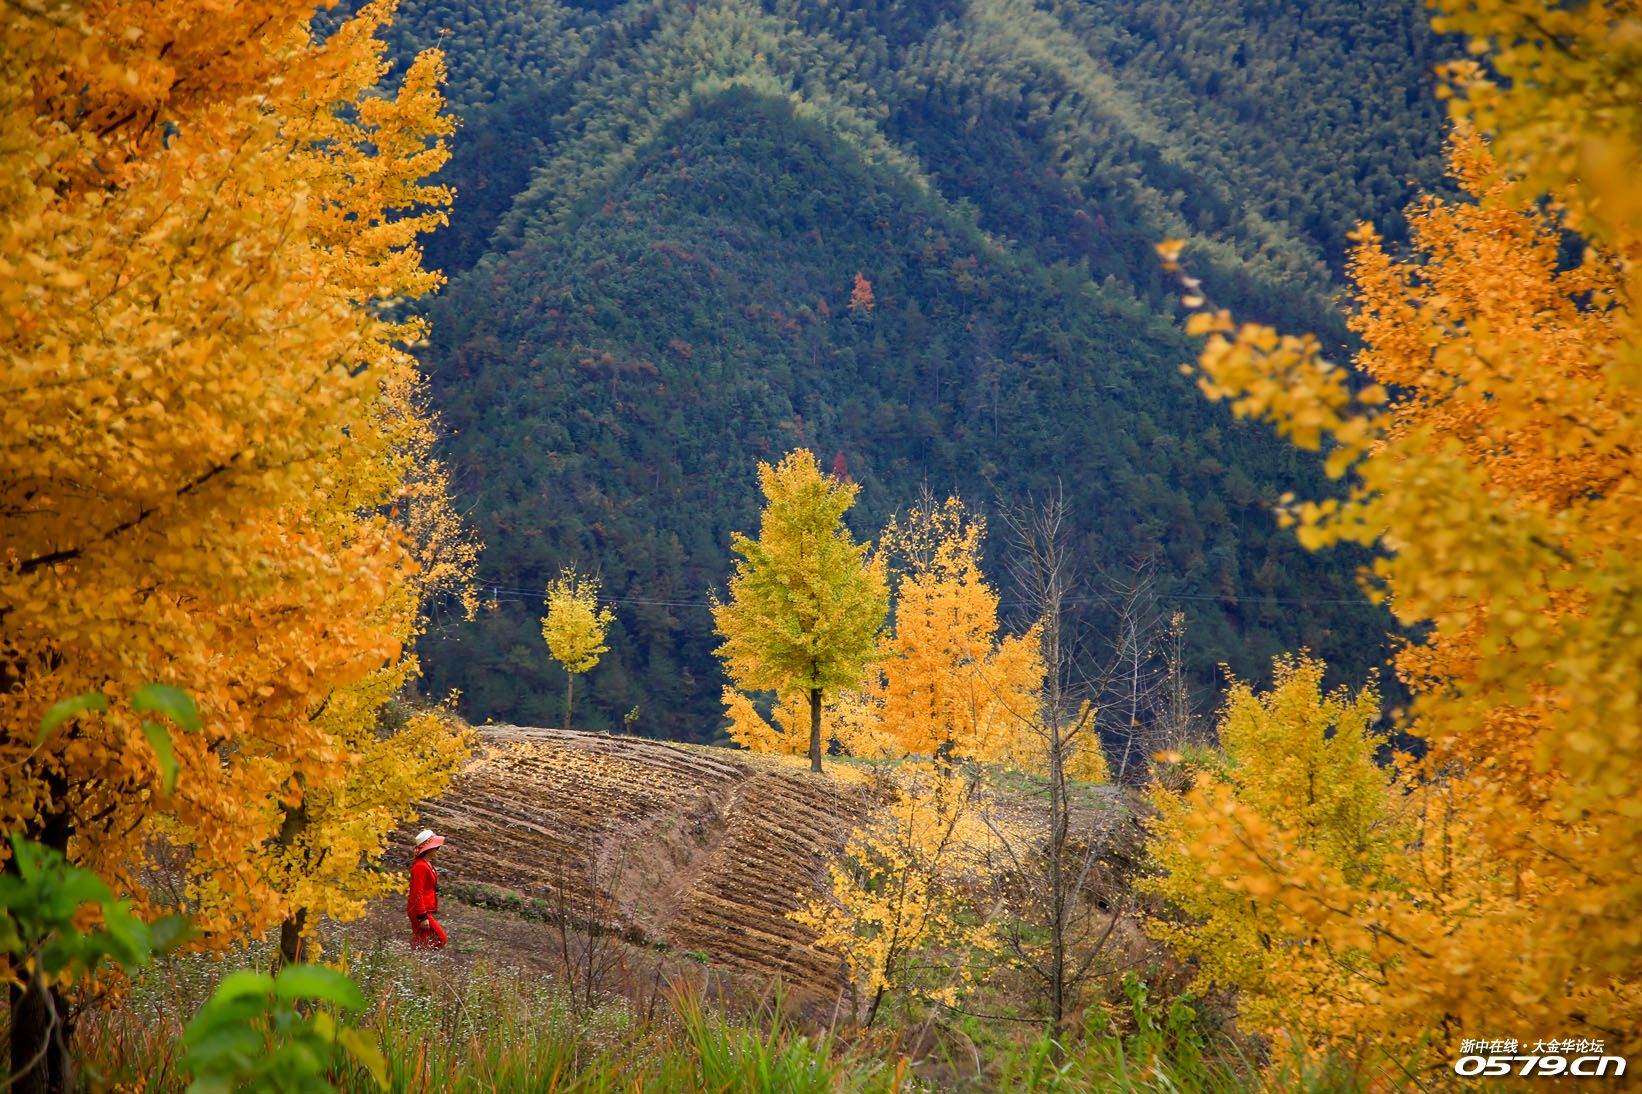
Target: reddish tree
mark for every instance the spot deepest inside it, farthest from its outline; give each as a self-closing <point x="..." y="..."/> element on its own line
<point x="861" y="298"/>
<point x="841" y="469"/>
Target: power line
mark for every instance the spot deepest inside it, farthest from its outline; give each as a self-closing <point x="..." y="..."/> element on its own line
<point x="509" y="594"/>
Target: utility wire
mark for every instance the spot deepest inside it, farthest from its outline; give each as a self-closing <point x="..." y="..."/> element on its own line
<point x="510" y="594"/>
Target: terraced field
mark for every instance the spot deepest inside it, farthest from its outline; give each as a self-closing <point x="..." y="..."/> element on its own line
<point x="689" y="849"/>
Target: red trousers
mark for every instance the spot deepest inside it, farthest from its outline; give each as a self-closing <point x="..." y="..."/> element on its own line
<point x="426" y="934"/>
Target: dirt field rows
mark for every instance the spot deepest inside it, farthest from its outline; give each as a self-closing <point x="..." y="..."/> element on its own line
<point x="683" y="848"/>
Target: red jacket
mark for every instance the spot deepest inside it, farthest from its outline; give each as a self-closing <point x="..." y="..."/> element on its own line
<point x="424" y="889"/>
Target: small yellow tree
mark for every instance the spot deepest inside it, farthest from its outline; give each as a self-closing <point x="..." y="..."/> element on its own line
<point x="894" y="910"/>
<point x="574" y="627"/>
<point x="1296" y="799"/>
<point x="806" y="604"/>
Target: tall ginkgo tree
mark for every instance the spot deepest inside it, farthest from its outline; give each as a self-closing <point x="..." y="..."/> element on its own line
<point x="575" y="627"/>
<point x="806" y="603"/>
<point x="201" y="222"/>
<point x="1497" y="464"/>
<point x="331" y="839"/>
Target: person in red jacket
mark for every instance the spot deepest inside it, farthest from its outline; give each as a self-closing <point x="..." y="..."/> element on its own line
<point x="426" y="934"/>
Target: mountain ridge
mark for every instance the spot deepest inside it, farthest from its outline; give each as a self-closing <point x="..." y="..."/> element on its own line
<point x="666" y="299"/>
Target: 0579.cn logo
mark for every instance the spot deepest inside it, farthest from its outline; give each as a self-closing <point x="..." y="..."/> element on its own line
<point x="1573" y="1056"/>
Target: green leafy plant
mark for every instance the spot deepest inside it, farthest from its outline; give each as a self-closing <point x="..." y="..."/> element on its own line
<point x="1170" y="1033"/>
<point x="41" y="902"/>
<point x="278" y="1033"/>
<point x="60" y="924"/>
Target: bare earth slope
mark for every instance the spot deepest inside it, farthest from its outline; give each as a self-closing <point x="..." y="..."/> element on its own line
<point x="695" y="850"/>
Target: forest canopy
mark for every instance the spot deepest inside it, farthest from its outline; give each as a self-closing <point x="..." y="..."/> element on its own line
<point x="663" y="212"/>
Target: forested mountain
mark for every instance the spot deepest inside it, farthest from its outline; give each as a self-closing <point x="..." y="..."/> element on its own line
<point x="663" y="210"/>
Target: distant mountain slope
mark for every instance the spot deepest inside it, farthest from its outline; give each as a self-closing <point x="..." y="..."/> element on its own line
<point x="1263" y="130"/>
<point x="663" y="208"/>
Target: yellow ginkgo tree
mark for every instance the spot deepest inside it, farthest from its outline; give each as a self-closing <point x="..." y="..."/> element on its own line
<point x="1497" y="464"/>
<point x="204" y="224"/>
<point x="947" y="683"/>
<point x="806" y="602"/>
<point x="575" y="627"/>
<point x="211" y="219"/>
<point x="334" y="834"/>
<point x="897" y="910"/>
<point x="850" y="718"/>
<point x="1297" y="775"/>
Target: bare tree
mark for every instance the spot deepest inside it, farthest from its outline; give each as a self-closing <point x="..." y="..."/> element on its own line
<point x="1177" y="721"/>
<point x="1138" y="682"/>
<point x="1056" y="933"/>
<point x="586" y="921"/>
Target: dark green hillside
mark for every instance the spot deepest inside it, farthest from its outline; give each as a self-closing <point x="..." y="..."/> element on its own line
<point x="662" y="208"/>
<point x="1262" y="131"/>
<point x="1079" y="131"/>
<point x="614" y="379"/>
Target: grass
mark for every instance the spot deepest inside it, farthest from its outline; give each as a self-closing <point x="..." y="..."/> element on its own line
<point x="445" y="1028"/>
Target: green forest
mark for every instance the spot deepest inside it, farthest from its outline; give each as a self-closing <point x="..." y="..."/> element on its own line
<point x="661" y="210"/>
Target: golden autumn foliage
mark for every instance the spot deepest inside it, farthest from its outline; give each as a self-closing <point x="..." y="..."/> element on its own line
<point x="895" y="911"/>
<point x="1553" y="87"/>
<point x="848" y="718"/>
<point x="1294" y="799"/>
<point x="806" y="603"/>
<point x="1503" y="486"/>
<point x="943" y="680"/>
<point x="328" y="840"/>
<point x="205" y="424"/>
<point x="574" y="627"/>
<point x="947" y="683"/>
<point x="1087" y="762"/>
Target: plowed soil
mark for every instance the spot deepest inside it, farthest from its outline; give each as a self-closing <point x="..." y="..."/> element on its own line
<point x="695" y="851"/>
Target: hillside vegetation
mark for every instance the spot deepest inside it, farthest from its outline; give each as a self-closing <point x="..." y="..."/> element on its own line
<point x="662" y="210"/>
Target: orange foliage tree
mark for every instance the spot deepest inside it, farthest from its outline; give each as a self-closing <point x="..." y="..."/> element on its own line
<point x="1504" y="485"/>
<point x="861" y="298"/>
<point x="947" y="683"/>
<point x="208" y="416"/>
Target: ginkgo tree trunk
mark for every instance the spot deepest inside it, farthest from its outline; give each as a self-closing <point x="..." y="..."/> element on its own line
<point x="806" y="603"/>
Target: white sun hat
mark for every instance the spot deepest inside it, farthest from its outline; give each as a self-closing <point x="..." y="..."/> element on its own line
<point x="427" y="841"/>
